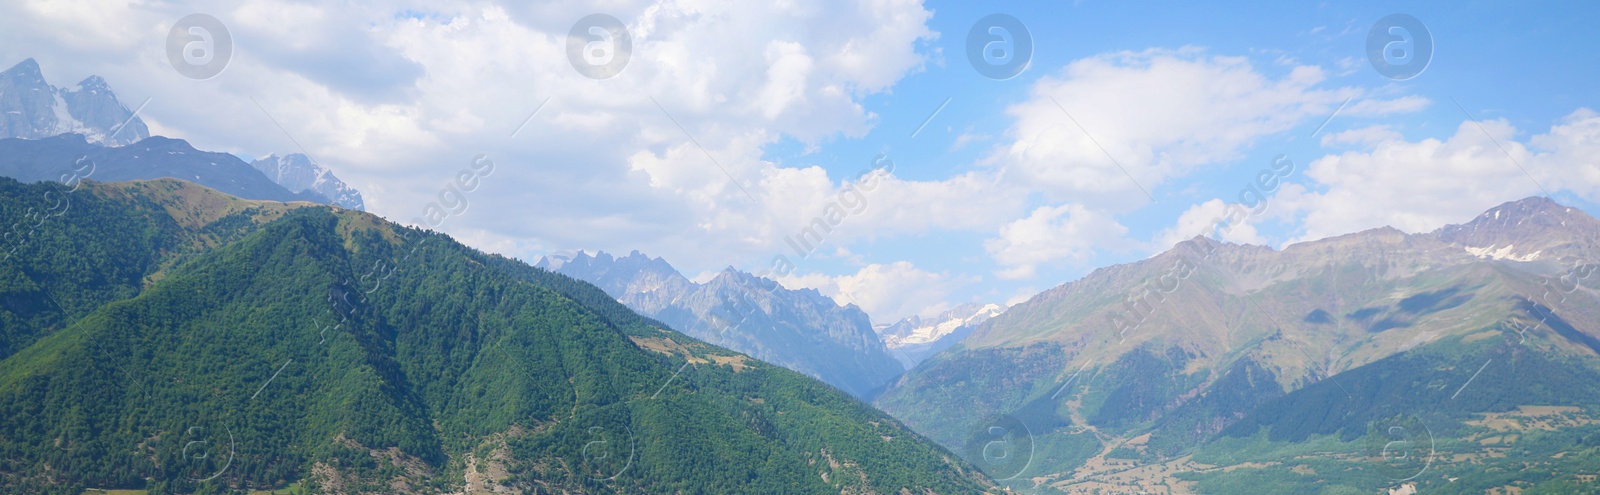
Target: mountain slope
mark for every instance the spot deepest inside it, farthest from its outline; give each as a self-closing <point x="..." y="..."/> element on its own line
<point x="297" y="173"/>
<point x="31" y="108"/>
<point x="331" y="347"/>
<point x="1151" y="360"/>
<point x="797" y="329"/>
<point x="135" y="230"/>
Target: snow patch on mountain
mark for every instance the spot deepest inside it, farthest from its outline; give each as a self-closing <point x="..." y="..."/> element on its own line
<point x="1505" y="253"/>
<point x="924" y="331"/>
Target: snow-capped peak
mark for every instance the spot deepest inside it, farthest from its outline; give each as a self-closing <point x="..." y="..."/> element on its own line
<point x="33" y="109"/>
<point x="916" y="330"/>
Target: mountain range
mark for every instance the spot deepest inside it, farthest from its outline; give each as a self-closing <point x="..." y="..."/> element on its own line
<point x="1216" y="354"/>
<point x="166" y="302"/>
<point x="51" y="158"/>
<point x="165" y="337"/>
<point x="801" y="330"/>
<point x="333" y="351"/>
<point x="47" y="133"/>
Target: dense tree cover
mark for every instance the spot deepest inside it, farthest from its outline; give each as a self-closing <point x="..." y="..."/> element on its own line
<point x="68" y="252"/>
<point x="357" y="356"/>
<point x="52" y="251"/>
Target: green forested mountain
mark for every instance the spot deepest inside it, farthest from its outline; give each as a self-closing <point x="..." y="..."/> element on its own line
<point x="67" y="253"/>
<point x="164" y="337"/>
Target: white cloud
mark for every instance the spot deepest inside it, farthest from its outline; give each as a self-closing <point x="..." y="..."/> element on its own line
<point x="1350" y="65"/>
<point x="397" y="98"/>
<point x="1200" y="220"/>
<point x="888" y="292"/>
<point x="1570" y="157"/>
<point x="1158" y="113"/>
<point x="1068" y="232"/>
<point x="1420" y="186"/>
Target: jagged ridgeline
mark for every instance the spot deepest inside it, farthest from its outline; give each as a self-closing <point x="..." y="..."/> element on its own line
<point x="162" y="336"/>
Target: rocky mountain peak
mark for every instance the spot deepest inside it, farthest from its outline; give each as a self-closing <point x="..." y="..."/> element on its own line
<point x="30" y="108"/>
<point x="1526" y="230"/>
<point x="619" y="277"/>
<point x="26" y="70"/>
<point x="94" y="85"/>
<point x="296" y="172"/>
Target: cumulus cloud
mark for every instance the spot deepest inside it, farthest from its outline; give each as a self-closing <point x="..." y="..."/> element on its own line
<point x="1104" y="131"/>
<point x="397" y="98"/>
<point x="1158" y="114"/>
<point x="1200" y="219"/>
<point x="1420" y="186"/>
<point x="888" y="292"/>
<point x="1570" y="154"/>
<point x="1068" y="232"/>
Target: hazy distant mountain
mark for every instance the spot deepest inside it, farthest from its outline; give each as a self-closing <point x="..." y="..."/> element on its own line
<point x="1197" y="349"/>
<point x="31" y="108"/>
<point x="34" y="160"/>
<point x="297" y="173"/>
<point x="798" y="329"/>
<point x="914" y="338"/>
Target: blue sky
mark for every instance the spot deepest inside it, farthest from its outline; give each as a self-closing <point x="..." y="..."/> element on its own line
<point x="735" y="124"/>
<point x="1500" y="61"/>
